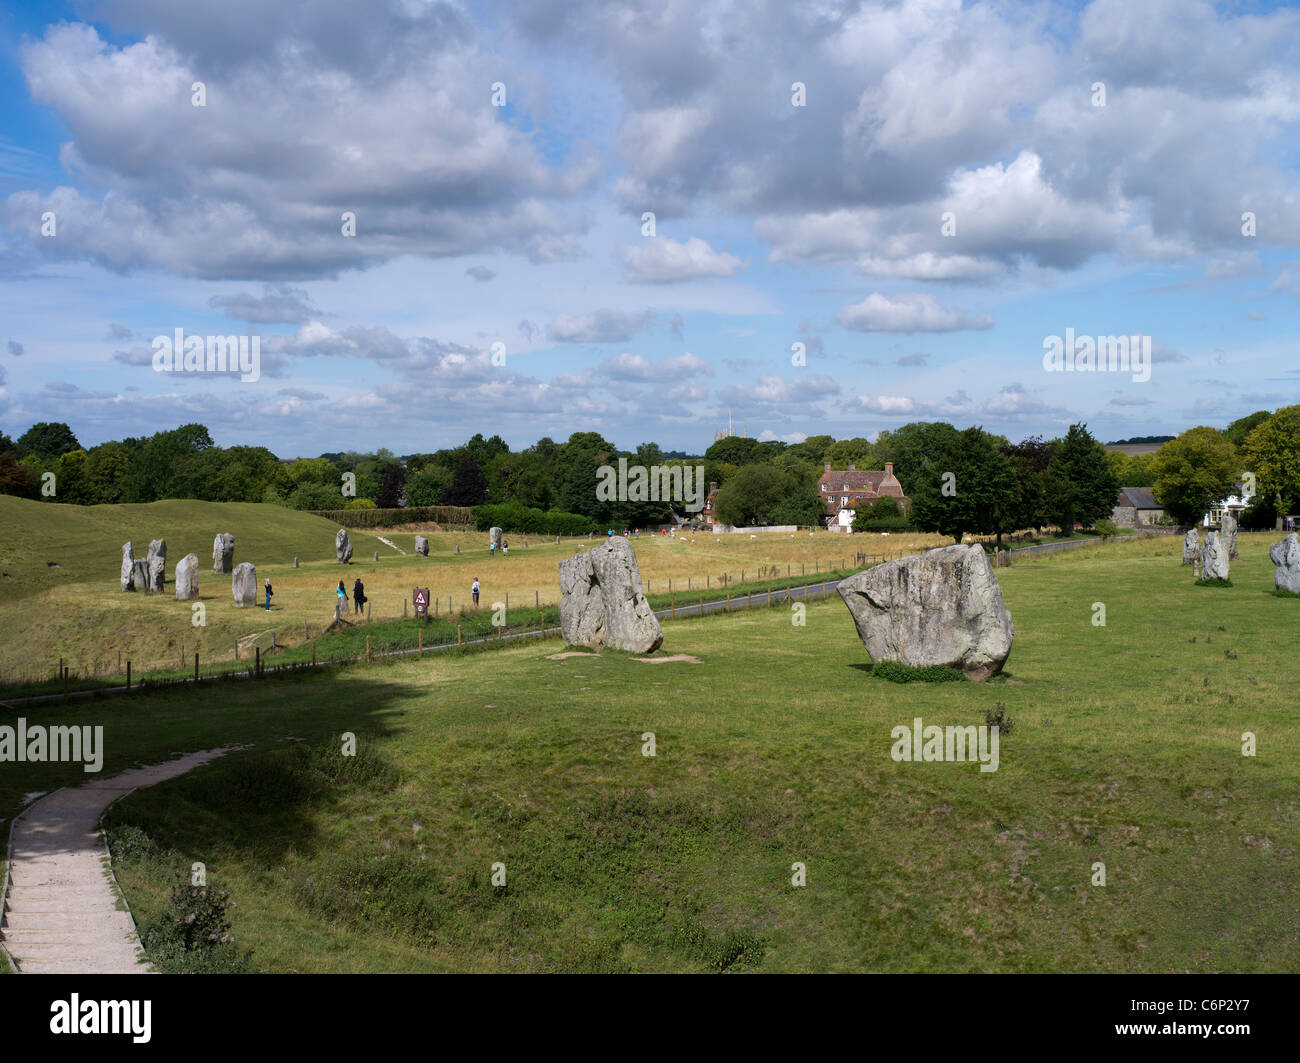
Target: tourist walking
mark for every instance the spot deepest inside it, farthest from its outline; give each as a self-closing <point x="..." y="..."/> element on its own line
<point x="358" y="596"/>
<point x="269" y="592"/>
<point x="340" y="602"/>
<point x="474" y="590"/>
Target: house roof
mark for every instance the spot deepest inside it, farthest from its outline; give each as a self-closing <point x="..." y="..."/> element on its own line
<point x="1138" y="498"/>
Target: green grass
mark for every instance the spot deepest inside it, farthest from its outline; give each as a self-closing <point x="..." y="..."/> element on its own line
<point x="774" y="750"/>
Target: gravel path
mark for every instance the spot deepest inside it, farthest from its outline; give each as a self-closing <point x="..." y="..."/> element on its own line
<point x="61" y="914"/>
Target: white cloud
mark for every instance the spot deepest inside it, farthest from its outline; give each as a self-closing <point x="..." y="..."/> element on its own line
<point x="908" y="313"/>
<point x="658" y="260"/>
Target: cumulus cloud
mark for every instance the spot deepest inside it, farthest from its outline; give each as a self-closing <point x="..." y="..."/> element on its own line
<point x="278" y="304"/>
<point x="15" y="348"/>
<point x="480" y="273"/>
<point x="662" y="261"/>
<point x="908" y="313"/>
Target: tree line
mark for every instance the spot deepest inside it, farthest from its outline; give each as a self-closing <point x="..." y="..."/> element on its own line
<point x="957" y="481"/>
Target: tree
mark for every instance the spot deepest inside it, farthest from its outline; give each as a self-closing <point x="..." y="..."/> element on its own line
<point x="106" y="468"/>
<point x="468" y="486"/>
<point x="980" y="496"/>
<point x="737" y="450"/>
<point x="915" y="450"/>
<point x="392" y="479"/>
<point x="48" y="441"/>
<point x="1237" y="432"/>
<point x="16" y="478"/>
<point x="426" y="487"/>
<point x="1193" y="471"/>
<point x="1080" y="461"/>
<point x="764" y="494"/>
<point x="1273" y="451"/>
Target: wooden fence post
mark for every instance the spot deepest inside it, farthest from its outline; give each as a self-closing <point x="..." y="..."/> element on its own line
<point x="457" y="634"/>
<point x="196" y="667"/>
<point x="367" y="649"/>
<point x="257" y="666"/>
<point x="420" y="631"/>
<point x="313" y="653"/>
<point x="128" y="675"/>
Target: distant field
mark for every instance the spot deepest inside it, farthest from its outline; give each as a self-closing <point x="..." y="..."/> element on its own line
<point x="77" y="612"/>
<point x="1126" y="750"/>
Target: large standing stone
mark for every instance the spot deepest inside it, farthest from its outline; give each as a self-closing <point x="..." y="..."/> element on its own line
<point x="602" y="602"/>
<point x="1228" y="534"/>
<point x="157" y="574"/>
<point x="187" y="578"/>
<point x="943" y="607"/>
<point x="1191" y="546"/>
<point x="223" y="553"/>
<point x="243" y="585"/>
<point x="342" y="546"/>
<point x="494" y="537"/>
<point x="1286" y="556"/>
<point x="140" y="574"/>
<point x="422" y="546"/>
<point x="1214" y="558"/>
<point x="157" y="548"/>
<point x="128" y="567"/>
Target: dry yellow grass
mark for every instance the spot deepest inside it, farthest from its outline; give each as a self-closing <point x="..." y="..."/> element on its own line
<point x="88" y="623"/>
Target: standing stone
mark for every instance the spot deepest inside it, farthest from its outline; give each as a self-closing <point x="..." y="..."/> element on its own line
<point x="1191" y="546"/>
<point x="376" y="555"/>
<point x="223" y="553"/>
<point x="1214" y="558"/>
<point x="243" y="585"/>
<point x="943" y="607"/>
<point x="157" y="573"/>
<point x="1228" y="534"/>
<point x="157" y="548"/>
<point x="342" y="546"/>
<point x="140" y="574"/>
<point x="602" y="602"/>
<point x="128" y="567"/>
<point x="1286" y="556"/>
<point x="295" y="562"/>
<point x="422" y="546"/>
<point x="187" y="578"/>
<point x="494" y="537"/>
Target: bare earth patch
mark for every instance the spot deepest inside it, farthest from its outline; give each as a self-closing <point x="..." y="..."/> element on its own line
<point x="667" y="660"/>
<point x="571" y="653"/>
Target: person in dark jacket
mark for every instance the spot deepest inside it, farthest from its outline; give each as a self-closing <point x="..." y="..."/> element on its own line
<point x="358" y="597"/>
<point x="269" y="592"/>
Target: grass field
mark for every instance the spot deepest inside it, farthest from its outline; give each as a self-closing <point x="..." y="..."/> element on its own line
<point x="76" y="612"/>
<point x="1126" y="750"/>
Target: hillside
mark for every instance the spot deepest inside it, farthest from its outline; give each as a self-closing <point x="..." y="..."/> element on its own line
<point x="45" y="545"/>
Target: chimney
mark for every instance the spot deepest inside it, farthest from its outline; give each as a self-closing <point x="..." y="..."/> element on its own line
<point x="889" y="469"/>
<point x="828" y="466"/>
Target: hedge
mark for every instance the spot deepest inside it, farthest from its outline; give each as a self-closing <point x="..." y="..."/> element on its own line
<point x="387" y="518"/>
<point x="516" y="517"/>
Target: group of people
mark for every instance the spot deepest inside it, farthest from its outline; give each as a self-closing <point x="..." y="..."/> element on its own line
<point x="358" y="597"/>
<point x="505" y="547"/>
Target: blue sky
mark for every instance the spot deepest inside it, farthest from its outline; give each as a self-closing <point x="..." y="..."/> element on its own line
<point x="521" y="225"/>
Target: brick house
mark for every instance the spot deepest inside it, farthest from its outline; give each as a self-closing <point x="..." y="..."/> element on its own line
<point x="853" y="488"/>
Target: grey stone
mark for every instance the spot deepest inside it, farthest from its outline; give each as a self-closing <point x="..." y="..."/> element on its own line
<point x="128" y="566"/>
<point x="187" y="578"/>
<point x="1214" y="558"/>
<point x="295" y="562"/>
<point x="1228" y="534"/>
<point x="223" y="553"/>
<point x="602" y="602"/>
<point x="1191" y="546"/>
<point x="243" y="585"/>
<point x="157" y="548"/>
<point x="342" y="546"/>
<point x="140" y="574"/>
<point x="157" y="573"/>
<point x="494" y="537"/>
<point x="943" y="607"/>
<point x="1286" y="556"/>
<point x="422" y="546"/>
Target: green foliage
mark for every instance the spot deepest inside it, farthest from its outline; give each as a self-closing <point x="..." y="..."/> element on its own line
<point x="983" y="498"/>
<point x="1105" y="526"/>
<point x="765" y="495"/>
<point x="1082" y="485"/>
<point x="997" y="717"/>
<point x="1273" y="453"/>
<point x="1240" y="429"/>
<point x="47" y="441"/>
<point x="369" y="517"/>
<point x="515" y="517"/>
<point x="1193" y="471"/>
<point x="1213" y="581"/>
<point x="897" y="672"/>
<point x="192" y="935"/>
